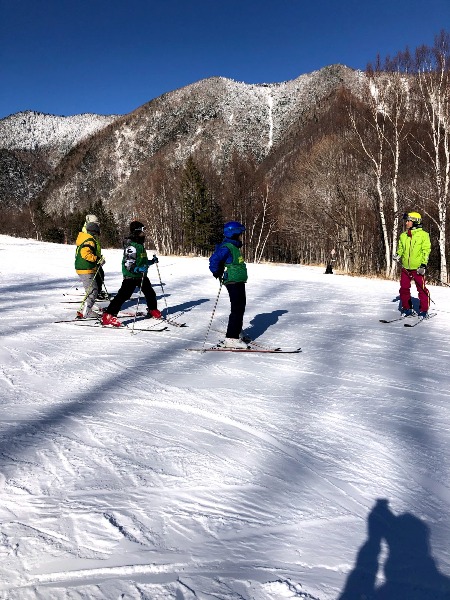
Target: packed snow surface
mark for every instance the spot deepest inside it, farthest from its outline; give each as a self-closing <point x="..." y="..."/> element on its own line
<point x="131" y="468"/>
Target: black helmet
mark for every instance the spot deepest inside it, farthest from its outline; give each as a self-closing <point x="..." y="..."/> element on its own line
<point x="93" y="228"/>
<point x="136" y="226"/>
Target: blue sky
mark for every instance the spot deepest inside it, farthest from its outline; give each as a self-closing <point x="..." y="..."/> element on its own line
<point x="67" y="57"/>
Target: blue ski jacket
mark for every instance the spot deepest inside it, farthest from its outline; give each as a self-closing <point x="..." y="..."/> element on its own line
<point x="223" y="257"/>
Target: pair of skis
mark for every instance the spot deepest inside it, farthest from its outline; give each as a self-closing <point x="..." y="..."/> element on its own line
<point x="403" y="317"/>
<point x="252" y="347"/>
<point x="250" y="350"/>
<point x="96" y="322"/>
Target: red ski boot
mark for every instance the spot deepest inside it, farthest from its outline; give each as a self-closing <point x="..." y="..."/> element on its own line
<point x="110" y="320"/>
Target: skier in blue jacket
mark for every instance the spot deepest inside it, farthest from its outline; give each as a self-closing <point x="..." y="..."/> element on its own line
<point x="227" y="264"/>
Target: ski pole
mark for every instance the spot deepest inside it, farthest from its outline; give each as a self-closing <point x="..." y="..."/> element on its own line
<point x="139" y="299"/>
<point x="104" y="285"/>
<point x="162" y="288"/>
<point x="107" y="293"/>
<point x="212" y="315"/>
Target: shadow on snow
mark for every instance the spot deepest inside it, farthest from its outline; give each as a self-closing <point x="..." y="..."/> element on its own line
<point x="261" y="323"/>
<point x="410" y="572"/>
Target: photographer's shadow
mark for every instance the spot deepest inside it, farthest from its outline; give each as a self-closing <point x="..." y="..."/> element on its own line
<point x="410" y="571"/>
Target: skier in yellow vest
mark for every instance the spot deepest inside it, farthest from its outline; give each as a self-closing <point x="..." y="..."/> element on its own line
<point x="88" y="259"/>
<point x="100" y="277"/>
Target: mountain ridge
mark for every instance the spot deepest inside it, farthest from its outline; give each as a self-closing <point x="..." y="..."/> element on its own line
<point x="66" y="160"/>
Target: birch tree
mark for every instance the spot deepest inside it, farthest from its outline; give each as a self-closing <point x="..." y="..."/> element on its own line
<point x="433" y="79"/>
<point x="382" y="138"/>
<point x="261" y="224"/>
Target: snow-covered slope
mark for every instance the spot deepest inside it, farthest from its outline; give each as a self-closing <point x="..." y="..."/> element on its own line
<point x="131" y="468"/>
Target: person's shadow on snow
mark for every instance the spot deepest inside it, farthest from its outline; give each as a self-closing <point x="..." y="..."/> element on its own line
<point x="410" y="571"/>
<point x="415" y="303"/>
<point x="261" y="323"/>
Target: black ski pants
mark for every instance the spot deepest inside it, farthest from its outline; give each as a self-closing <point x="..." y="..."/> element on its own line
<point x="236" y="291"/>
<point x="126" y="290"/>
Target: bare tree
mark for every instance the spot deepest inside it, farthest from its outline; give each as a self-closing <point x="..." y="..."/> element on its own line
<point x="382" y="133"/>
<point x="261" y="225"/>
<point x="433" y="79"/>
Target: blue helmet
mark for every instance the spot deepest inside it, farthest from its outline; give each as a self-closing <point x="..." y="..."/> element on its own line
<point x="233" y="228"/>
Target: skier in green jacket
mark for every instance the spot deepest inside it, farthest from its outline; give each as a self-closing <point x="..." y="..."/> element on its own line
<point x="135" y="264"/>
<point x="413" y="249"/>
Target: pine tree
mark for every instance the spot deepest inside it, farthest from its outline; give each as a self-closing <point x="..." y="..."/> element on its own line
<point x="202" y="216"/>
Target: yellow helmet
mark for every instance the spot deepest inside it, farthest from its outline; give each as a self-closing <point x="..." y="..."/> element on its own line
<point x="415" y="217"/>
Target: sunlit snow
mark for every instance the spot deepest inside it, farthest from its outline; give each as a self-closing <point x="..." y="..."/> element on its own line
<point x="131" y="468"/>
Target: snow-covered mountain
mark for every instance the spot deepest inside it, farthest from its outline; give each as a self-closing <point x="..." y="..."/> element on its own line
<point x="32" y="144"/>
<point x="215" y="117"/>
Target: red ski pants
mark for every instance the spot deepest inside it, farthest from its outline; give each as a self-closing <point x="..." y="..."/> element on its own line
<point x="405" y="289"/>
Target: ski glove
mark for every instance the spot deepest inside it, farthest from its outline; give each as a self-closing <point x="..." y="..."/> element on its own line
<point x="142" y="269"/>
<point x="101" y="261"/>
<point x="421" y="269"/>
<point x="396" y="256"/>
<point x="154" y="260"/>
<point x="218" y="274"/>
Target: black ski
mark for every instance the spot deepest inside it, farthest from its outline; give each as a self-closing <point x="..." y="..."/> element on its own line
<point x="396" y="319"/>
<point x="420" y="320"/>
